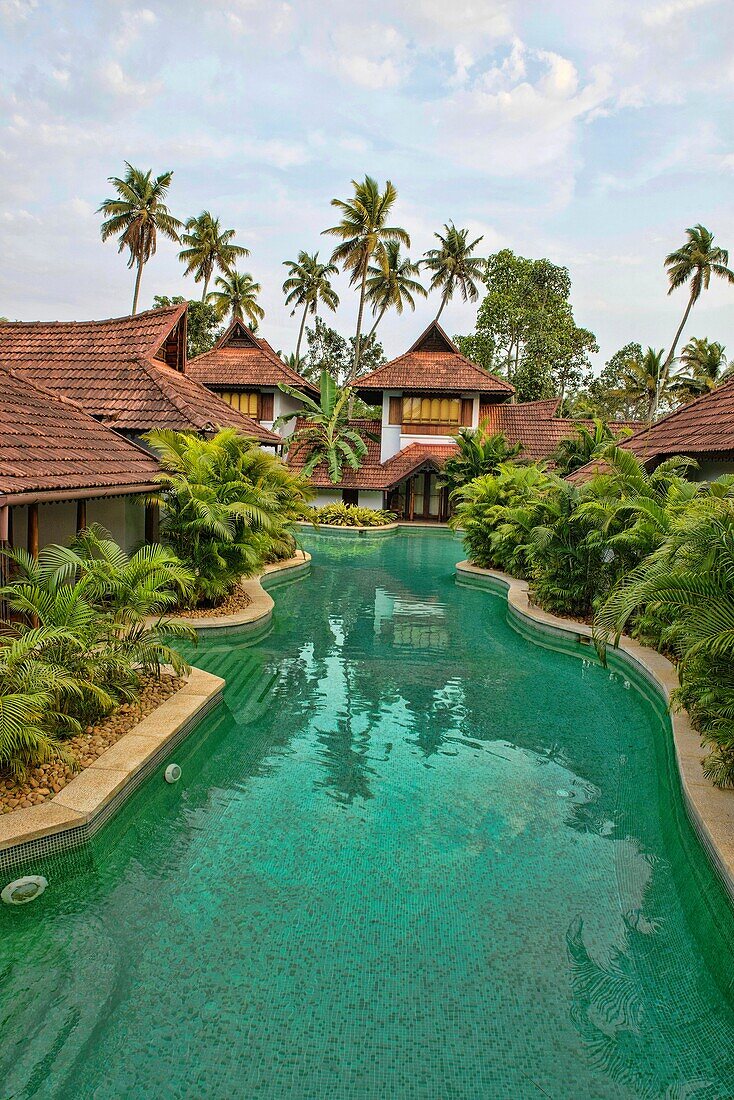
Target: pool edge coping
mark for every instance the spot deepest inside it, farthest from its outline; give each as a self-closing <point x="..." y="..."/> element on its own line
<point x="710" y="810"/>
<point x="80" y="808"/>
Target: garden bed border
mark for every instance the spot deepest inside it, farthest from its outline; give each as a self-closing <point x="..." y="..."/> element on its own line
<point x="710" y="810"/>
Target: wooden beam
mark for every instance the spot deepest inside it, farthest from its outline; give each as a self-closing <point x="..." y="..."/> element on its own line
<point x="33" y="530"/>
<point x="81" y="515"/>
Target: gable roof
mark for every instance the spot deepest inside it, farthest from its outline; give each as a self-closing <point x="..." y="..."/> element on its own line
<point x="703" y="426"/>
<point x="111" y="368"/>
<point x="534" y="424"/>
<point x="239" y="358"/>
<point x="433" y="363"/>
<point x="48" y="446"/>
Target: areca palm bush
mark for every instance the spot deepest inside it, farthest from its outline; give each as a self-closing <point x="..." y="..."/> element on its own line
<point x="478" y="454"/>
<point x="228" y="508"/>
<point x="688" y="582"/>
<point x="585" y="444"/>
<point x="80" y="640"/>
<point x="327" y="435"/>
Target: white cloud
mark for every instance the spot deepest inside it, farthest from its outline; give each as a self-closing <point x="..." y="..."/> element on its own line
<point x="17" y="11"/>
<point x="132" y="24"/>
<point x="664" y="13"/>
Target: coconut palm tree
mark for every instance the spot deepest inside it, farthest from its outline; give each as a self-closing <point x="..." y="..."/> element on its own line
<point x="705" y="367"/>
<point x="307" y="284"/>
<point x="585" y="444"/>
<point x="137" y="216"/>
<point x="237" y="295"/>
<point x="390" y="283"/>
<point x="364" y="233"/>
<point x="695" y="262"/>
<point x="646" y="380"/>
<point x="327" y="435"/>
<point x="452" y="265"/>
<point x="208" y="248"/>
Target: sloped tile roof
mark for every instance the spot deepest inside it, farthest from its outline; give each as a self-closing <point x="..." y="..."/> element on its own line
<point x="433" y="364"/>
<point x="239" y="358"/>
<point x="108" y="368"/>
<point x="374" y="474"/>
<point x="48" y="443"/>
<point x="535" y="425"/>
<point x="704" y="426"/>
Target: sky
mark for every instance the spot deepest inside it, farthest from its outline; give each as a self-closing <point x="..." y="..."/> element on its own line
<point x="589" y="133"/>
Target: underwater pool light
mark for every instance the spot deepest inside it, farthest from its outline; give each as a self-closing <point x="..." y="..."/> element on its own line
<point x="23" y="890"/>
<point x="172" y="773"/>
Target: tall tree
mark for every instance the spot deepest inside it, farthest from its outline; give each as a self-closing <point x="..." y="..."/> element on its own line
<point x="363" y="232"/>
<point x="705" y="367"/>
<point x="209" y="248"/>
<point x="328" y="350"/>
<point x="694" y="262"/>
<point x="646" y="381"/>
<point x="137" y="215"/>
<point x="237" y="295"/>
<point x="390" y="283"/>
<point x="453" y="266"/>
<point x="606" y="396"/>
<point x="308" y="283"/>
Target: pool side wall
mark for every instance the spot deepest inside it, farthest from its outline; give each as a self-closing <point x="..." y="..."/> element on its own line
<point x="710" y="810"/>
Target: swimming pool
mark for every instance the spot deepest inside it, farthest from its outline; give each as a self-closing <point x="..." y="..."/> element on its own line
<point x="412" y="855"/>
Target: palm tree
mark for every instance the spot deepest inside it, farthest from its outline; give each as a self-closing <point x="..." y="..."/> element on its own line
<point x="585" y="444"/>
<point x="695" y="262"/>
<point x="453" y="265"/>
<point x="327" y="436"/>
<point x="208" y="247"/>
<point x="478" y="454"/>
<point x="390" y="283"/>
<point x="705" y="365"/>
<point x="237" y="295"/>
<point x="364" y="233"/>
<point x="138" y="214"/>
<point x="308" y="283"/>
<point x="646" y="380"/>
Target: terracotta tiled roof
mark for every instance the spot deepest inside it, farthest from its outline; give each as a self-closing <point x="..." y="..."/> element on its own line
<point x="239" y="358"/>
<point x="535" y="425"/>
<point x="48" y="444"/>
<point x="434" y="363"/>
<point x="704" y="426"/>
<point x="108" y="367"/>
<point x="374" y="474"/>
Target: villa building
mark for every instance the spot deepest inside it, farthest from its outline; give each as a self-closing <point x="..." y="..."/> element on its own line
<point x="244" y="371"/>
<point x="130" y="373"/>
<point x="61" y="470"/>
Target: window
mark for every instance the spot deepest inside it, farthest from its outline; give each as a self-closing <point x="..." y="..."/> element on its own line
<point x="432" y="410"/>
<point x="350" y="496"/>
<point x="244" y="402"/>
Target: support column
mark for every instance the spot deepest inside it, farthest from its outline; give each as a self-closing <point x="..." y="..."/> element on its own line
<point x="81" y="515"/>
<point x="32" y="543"/>
<point x="152" y="523"/>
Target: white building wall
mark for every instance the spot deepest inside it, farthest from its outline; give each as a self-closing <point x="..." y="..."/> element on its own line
<point x="393" y="438"/>
<point x="123" y="517"/>
<point x="283" y="404"/>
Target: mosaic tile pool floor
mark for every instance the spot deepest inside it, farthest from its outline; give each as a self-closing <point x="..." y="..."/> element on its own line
<point x="412" y="856"/>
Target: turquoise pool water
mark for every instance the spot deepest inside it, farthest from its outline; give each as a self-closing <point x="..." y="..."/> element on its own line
<point x="413" y="855"/>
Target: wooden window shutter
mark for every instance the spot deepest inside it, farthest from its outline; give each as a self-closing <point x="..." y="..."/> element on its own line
<point x="395" y="414"/>
<point x="265" y="411"/>
<point x="467" y="409"/>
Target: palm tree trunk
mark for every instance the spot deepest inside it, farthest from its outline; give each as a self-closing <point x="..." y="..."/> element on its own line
<point x="206" y="287"/>
<point x="300" y="332"/>
<point x="444" y="300"/>
<point x="358" y="337"/>
<point x="137" y="287"/>
<point x="663" y="378"/>
<point x="379" y="318"/>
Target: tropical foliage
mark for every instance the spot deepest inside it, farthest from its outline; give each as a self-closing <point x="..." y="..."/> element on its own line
<point x="308" y="283"/>
<point x="137" y="215"/>
<point x="363" y="232"/>
<point x="453" y="266"/>
<point x="585" y="444"/>
<point x="228" y="508"/>
<point x="391" y="283"/>
<point x="478" y="453"/>
<point x="704" y="367"/>
<point x="352" y="515"/>
<point x="79" y="640"/>
<point x="328" y="435"/>
<point x="208" y="248"/>
<point x="236" y="296"/>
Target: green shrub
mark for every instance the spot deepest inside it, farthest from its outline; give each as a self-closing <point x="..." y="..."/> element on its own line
<point x="228" y="508"/>
<point x="351" y="515"/>
<point x="79" y="642"/>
